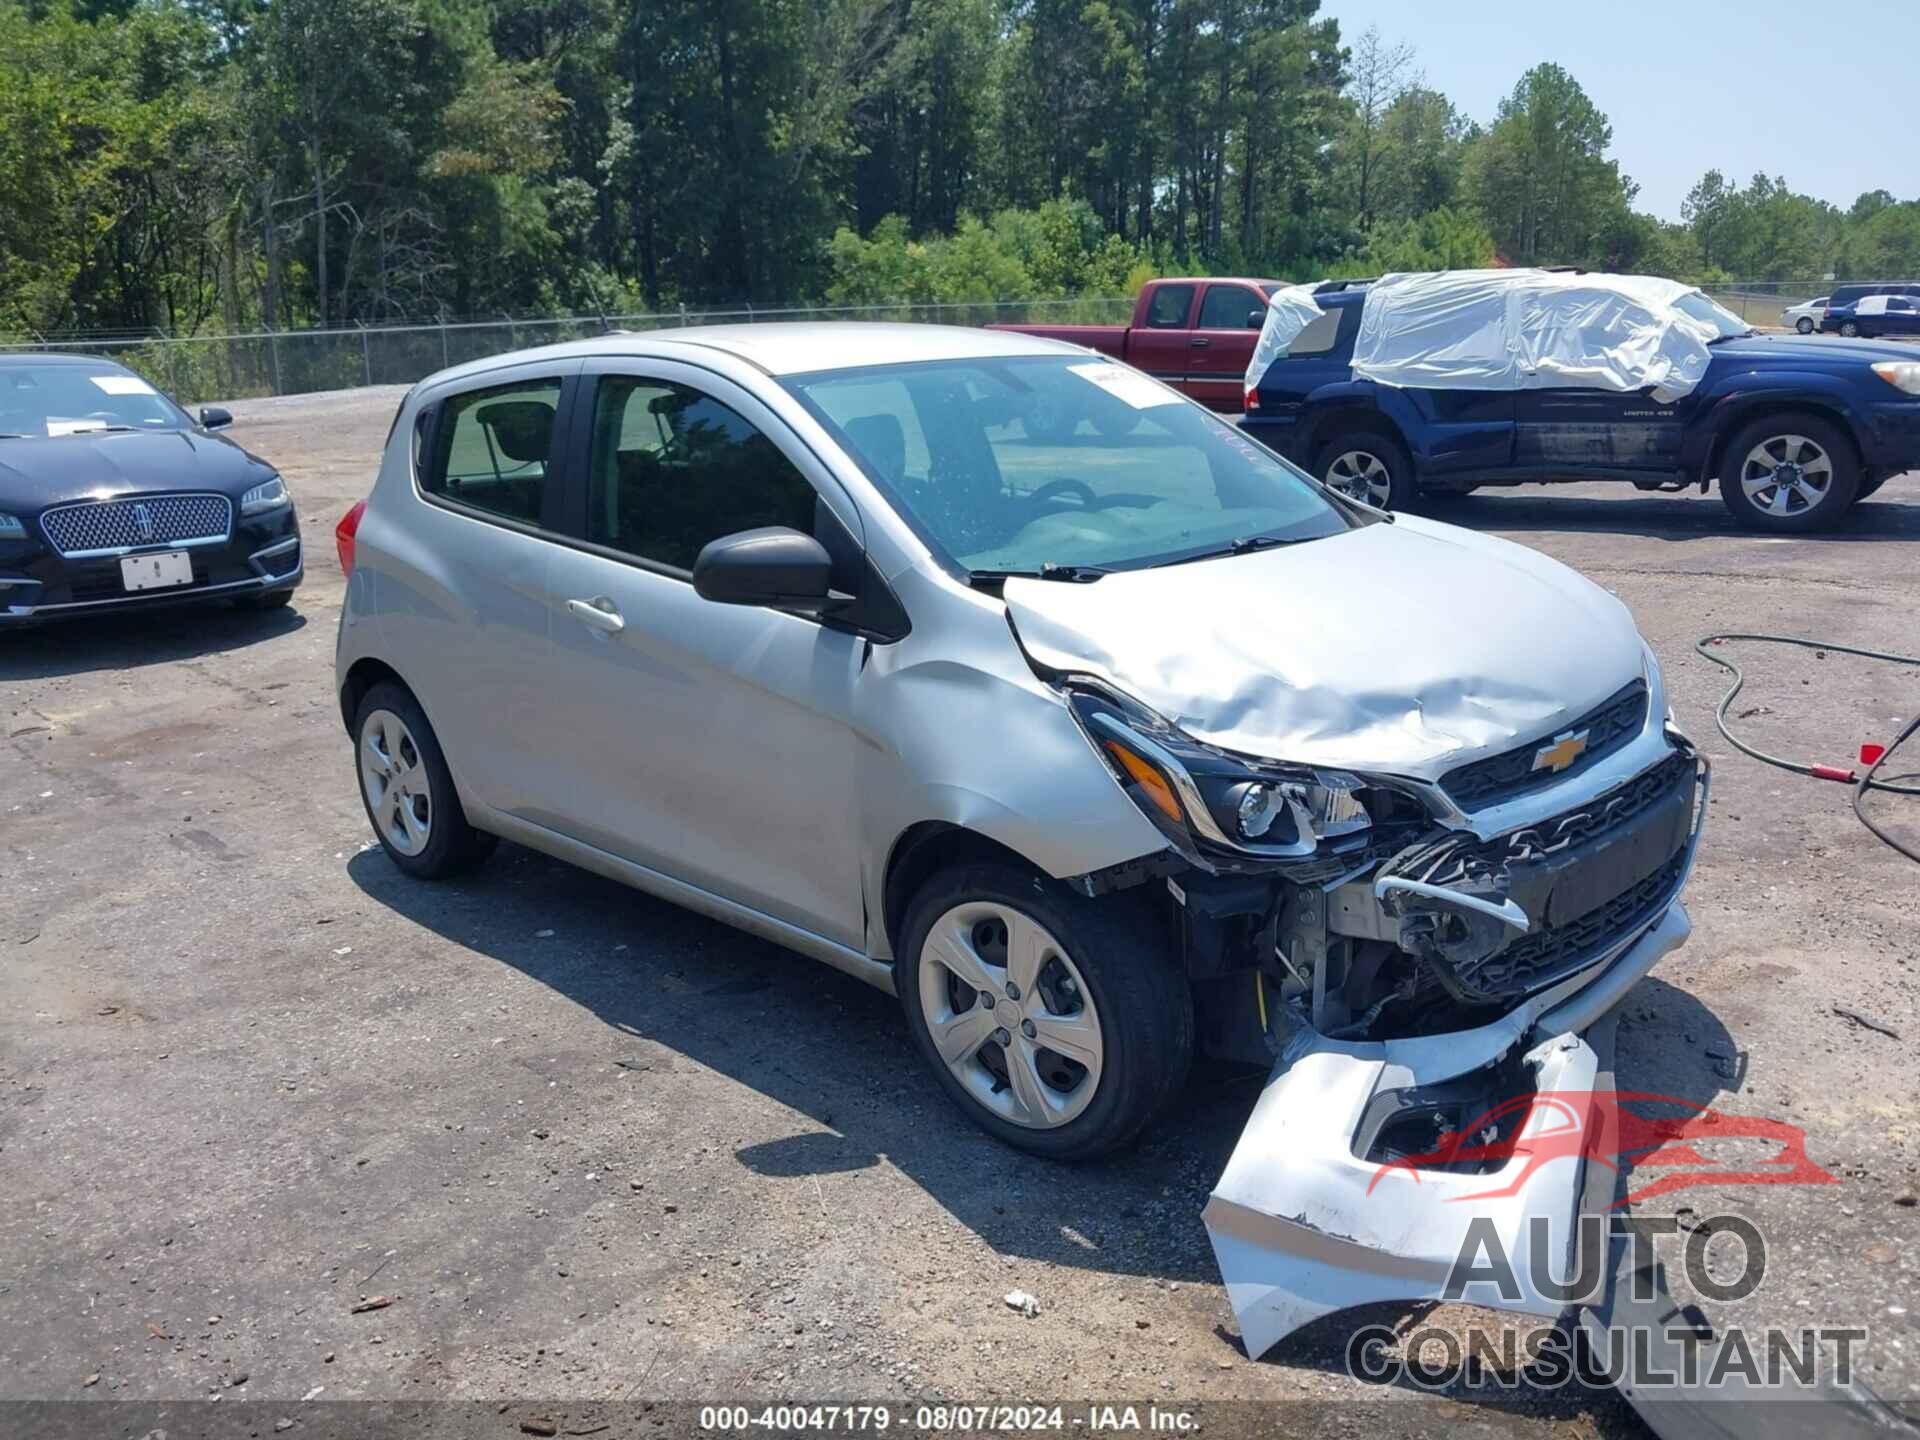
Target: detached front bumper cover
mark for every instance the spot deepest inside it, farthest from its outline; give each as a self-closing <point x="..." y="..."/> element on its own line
<point x="1302" y="1226"/>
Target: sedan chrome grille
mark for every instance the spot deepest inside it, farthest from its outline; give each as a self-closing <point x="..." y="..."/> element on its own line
<point x="104" y="526"/>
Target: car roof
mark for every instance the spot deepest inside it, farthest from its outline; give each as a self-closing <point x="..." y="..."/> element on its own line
<point x="793" y="347"/>
<point x="1214" y="280"/>
<point x="54" y="357"/>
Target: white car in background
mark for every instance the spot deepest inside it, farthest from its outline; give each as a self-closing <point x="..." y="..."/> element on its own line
<point x="1805" y="318"/>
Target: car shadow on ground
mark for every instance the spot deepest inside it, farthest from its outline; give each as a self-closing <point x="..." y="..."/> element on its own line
<point x="148" y="637"/>
<point x="1893" y="514"/>
<point x="837" y="1051"/>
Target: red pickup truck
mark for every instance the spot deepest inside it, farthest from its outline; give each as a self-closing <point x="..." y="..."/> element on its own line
<point x="1197" y="335"/>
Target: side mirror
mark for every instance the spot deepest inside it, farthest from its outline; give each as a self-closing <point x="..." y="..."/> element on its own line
<point x="1256" y="319"/>
<point x="212" y="417"/>
<point x="769" y="566"/>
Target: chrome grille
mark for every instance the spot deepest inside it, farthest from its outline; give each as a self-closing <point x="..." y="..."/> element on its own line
<point x="105" y="525"/>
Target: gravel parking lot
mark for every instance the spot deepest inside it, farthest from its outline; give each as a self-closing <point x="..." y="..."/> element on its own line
<point x="594" y="1147"/>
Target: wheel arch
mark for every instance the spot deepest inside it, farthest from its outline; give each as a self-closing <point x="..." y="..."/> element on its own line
<point x="921" y="851"/>
<point x="1348" y="415"/>
<point x="362" y="676"/>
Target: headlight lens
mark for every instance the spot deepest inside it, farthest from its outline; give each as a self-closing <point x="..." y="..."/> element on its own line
<point x="1656" y="681"/>
<point x="1901" y="374"/>
<point x="11" y="528"/>
<point x="268" y="496"/>
<point x="1202" y="796"/>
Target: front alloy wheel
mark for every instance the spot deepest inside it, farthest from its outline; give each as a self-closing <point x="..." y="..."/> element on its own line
<point x="1010" y="1015"/>
<point x="1786" y="475"/>
<point x="1058" y="1023"/>
<point x="1789" y="473"/>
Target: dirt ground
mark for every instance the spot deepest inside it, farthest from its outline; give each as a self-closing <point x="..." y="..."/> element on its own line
<point x="594" y="1147"/>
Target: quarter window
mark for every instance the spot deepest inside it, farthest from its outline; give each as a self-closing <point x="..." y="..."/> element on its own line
<point x="491" y="449"/>
<point x="1318" y="336"/>
<point x="673" y="468"/>
<point x="1168" y="308"/>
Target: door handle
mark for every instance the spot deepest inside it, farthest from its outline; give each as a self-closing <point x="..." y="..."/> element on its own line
<point x="1200" y="342"/>
<point x="599" y="613"/>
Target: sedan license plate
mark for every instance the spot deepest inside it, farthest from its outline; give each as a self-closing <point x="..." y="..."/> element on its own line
<point x="157" y="572"/>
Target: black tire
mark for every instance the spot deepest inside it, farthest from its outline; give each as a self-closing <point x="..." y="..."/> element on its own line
<point x="1804" y="325"/>
<point x="1336" y="455"/>
<point x="1775" y="433"/>
<point x="1144" y="1006"/>
<point x="453" y="846"/>
<point x="272" y="600"/>
<point x="1849" y="329"/>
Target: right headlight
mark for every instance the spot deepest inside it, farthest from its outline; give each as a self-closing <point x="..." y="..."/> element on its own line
<point x="270" y="495"/>
<point x="1204" y="798"/>
<point x="1901" y="374"/>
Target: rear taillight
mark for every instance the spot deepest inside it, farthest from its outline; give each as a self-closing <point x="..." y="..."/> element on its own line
<point x="1252" y="400"/>
<point x="344" y="532"/>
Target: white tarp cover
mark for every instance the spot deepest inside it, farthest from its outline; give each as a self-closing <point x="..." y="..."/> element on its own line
<point x="1290" y="309"/>
<point x="1524" y="330"/>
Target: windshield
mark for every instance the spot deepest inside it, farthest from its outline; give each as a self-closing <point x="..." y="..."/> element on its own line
<point x="1695" y="305"/>
<point x="67" y="399"/>
<point x="1056" y="462"/>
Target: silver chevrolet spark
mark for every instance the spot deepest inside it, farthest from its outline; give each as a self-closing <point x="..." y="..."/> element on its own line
<point x="1003" y="677"/>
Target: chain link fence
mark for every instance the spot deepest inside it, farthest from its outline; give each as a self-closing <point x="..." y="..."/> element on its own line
<point x="194" y="369"/>
<point x="200" y="368"/>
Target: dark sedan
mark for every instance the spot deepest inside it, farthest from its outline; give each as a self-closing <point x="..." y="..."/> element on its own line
<point x="114" y="498"/>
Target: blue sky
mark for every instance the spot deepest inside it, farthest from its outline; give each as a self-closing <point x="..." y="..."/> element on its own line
<point x="1827" y="95"/>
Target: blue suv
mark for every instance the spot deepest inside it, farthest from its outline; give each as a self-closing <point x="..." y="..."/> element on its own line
<point x="1795" y="429"/>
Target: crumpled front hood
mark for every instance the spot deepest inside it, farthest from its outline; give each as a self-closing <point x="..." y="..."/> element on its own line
<point x="1407" y="648"/>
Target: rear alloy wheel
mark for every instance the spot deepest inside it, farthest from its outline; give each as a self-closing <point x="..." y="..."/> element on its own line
<point x="1369" y="468"/>
<point x="408" y="790"/>
<point x="1803" y="325"/>
<point x="1789" y="473"/>
<point x="1057" y="1023"/>
<point x="1849" y="329"/>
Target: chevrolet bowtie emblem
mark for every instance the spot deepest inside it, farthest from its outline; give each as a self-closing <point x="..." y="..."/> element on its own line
<point x="1564" y="750"/>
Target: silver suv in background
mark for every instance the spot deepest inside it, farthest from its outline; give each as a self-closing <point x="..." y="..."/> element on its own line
<point x="1001" y="676"/>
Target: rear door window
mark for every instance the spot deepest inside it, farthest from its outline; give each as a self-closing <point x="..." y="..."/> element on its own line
<point x="1227" y="307"/>
<point x="1169" y="306"/>
<point x="492" y="449"/>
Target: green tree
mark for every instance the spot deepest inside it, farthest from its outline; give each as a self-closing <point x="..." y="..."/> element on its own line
<point x="1540" y="175"/>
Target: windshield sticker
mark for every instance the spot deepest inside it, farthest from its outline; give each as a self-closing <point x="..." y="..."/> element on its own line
<point x="57" y="428"/>
<point x="122" y="384"/>
<point x="1128" y="385"/>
